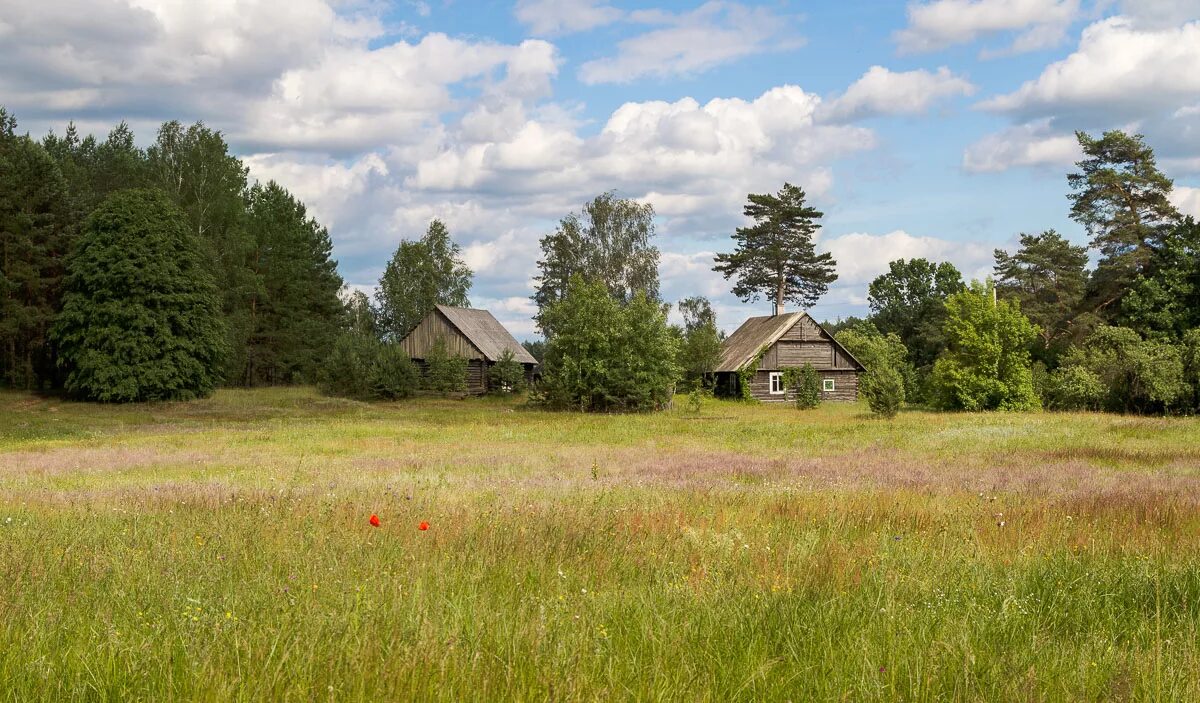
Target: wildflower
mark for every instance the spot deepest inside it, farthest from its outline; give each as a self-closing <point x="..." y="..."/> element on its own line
<point x="374" y="520"/>
<point x="423" y="526"/>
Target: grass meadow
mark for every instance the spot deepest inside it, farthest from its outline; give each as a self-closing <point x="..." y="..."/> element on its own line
<point x="220" y="550"/>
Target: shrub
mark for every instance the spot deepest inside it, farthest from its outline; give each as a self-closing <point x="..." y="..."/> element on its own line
<point x="604" y="356"/>
<point x="1074" y="388"/>
<point x="507" y="375"/>
<point x="883" y="388"/>
<point x="1136" y="375"/>
<point x="392" y="374"/>
<point x="141" y="317"/>
<point x="350" y="370"/>
<point x="445" y="373"/>
<point x="806" y="384"/>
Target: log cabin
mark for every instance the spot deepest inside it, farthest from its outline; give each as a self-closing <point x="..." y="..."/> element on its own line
<point x="472" y="334"/>
<point x="787" y="340"/>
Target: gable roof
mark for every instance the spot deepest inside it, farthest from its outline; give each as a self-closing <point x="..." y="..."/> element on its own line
<point x="757" y="333"/>
<point x="486" y="333"/>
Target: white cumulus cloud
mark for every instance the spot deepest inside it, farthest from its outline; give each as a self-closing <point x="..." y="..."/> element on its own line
<point x="883" y="92"/>
<point x="942" y="23"/>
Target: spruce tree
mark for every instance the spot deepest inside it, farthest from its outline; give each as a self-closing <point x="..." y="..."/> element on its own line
<point x="1048" y="277"/>
<point x="141" y="317"/>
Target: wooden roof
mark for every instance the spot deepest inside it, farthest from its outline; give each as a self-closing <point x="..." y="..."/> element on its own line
<point x="486" y="333"/>
<point x="757" y="333"/>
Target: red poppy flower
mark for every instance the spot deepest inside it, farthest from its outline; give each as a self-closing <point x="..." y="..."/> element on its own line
<point x="374" y="521"/>
<point x="423" y="526"/>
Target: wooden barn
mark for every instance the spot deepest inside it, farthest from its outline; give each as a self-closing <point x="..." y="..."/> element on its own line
<point x="790" y="340"/>
<point x="472" y="334"/>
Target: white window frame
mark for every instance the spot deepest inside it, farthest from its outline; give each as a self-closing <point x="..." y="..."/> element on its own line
<point x="771" y="378"/>
<point x="828" y="385"/>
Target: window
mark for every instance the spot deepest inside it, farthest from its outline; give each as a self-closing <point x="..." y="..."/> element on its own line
<point x="829" y="386"/>
<point x="776" y="383"/>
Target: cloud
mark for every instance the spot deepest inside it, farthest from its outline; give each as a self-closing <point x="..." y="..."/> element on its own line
<point x="692" y="42"/>
<point x="556" y="17"/>
<point x="883" y="92"/>
<point x="943" y="23"/>
<point x="861" y="256"/>
<point x="1187" y="200"/>
<point x="1118" y="70"/>
<point x="1157" y="14"/>
<point x="1031" y="144"/>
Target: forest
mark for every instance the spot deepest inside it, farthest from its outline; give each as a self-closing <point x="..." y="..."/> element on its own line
<point x="131" y="274"/>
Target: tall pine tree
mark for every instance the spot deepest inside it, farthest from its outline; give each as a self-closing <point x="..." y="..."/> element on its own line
<point x="776" y="257"/>
<point x="1048" y="277"/>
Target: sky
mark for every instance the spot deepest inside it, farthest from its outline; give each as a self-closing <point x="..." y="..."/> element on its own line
<point x="934" y="128"/>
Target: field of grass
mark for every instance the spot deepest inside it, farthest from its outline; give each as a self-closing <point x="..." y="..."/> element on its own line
<point x="220" y="550"/>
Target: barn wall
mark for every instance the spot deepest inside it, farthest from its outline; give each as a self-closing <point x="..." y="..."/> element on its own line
<point x="803" y="331"/>
<point x="846" y="382"/>
<point x="418" y="342"/>
<point x="476" y="375"/>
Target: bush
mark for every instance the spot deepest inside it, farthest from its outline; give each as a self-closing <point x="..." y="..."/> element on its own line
<point x="1074" y="388"/>
<point x="350" y="371"/>
<point x="141" y="317"/>
<point x="393" y="374"/>
<point x="806" y="384"/>
<point x="883" y="388"/>
<point x="1135" y="375"/>
<point x="445" y="373"/>
<point x="507" y="375"/>
<point x="606" y="357"/>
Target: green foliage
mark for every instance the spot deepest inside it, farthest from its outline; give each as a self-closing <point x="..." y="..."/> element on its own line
<point x="35" y="235"/>
<point x="445" y="373"/>
<point x="883" y="388"/>
<point x="392" y="374"/>
<point x="805" y="383"/>
<point x="700" y="342"/>
<point x="1189" y="349"/>
<point x="536" y="348"/>
<point x="1074" y="387"/>
<point x="1047" y="276"/>
<point x="1122" y="199"/>
<point x="909" y="301"/>
<point x="746" y="376"/>
<point x="776" y="257"/>
<point x="351" y="369"/>
<point x="294" y="312"/>
<point x="507" y="375"/>
<point x="1164" y="301"/>
<point x="695" y="400"/>
<point x="986" y="364"/>
<point x="608" y="242"/>
<point x="886" y="360"/>
<point x="420" y="276"/>
<point x="358" y="316"/>
<point x="606" y="357"/>
<point x="140" y="318"/>
<point x="1135" y="375"/>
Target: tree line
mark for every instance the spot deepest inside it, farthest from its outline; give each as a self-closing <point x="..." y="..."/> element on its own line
<point x="135" y="274"/>
<point x="1047" y="330"/>
<point x="158" y="273"/>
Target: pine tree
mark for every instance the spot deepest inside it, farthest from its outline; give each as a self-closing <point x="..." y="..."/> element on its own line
<point x="34" y="238"/>
<point x="420" y="276"/>
<point x="294" y="313"/>
<point x="776" y="257"/>
<point x="1048" y="277"/>
<point x="140" y="317"/>
<point x="1122" y="200"/>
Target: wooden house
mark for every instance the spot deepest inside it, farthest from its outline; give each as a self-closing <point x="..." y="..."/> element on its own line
<point x="788" y="340"/>
<point x="472" y="334"/>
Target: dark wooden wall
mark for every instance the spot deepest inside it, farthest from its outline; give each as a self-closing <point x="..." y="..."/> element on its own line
<point x="845" y="382"/>
<point x="418" y="342"/>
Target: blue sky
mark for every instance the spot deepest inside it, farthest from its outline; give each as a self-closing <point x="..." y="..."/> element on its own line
<point x="937" y="128"/>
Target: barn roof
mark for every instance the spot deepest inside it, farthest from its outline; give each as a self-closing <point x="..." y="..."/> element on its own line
<point x="486" y="333"/>
<point x="756" y="333"/>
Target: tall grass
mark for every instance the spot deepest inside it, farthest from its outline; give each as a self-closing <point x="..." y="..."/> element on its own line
<point x="220" y="551"/>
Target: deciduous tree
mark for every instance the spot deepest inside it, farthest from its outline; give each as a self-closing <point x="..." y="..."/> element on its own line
<point x="420" y="276"/>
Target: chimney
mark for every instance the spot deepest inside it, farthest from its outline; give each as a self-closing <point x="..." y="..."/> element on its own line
<point x="776" y="309"/>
